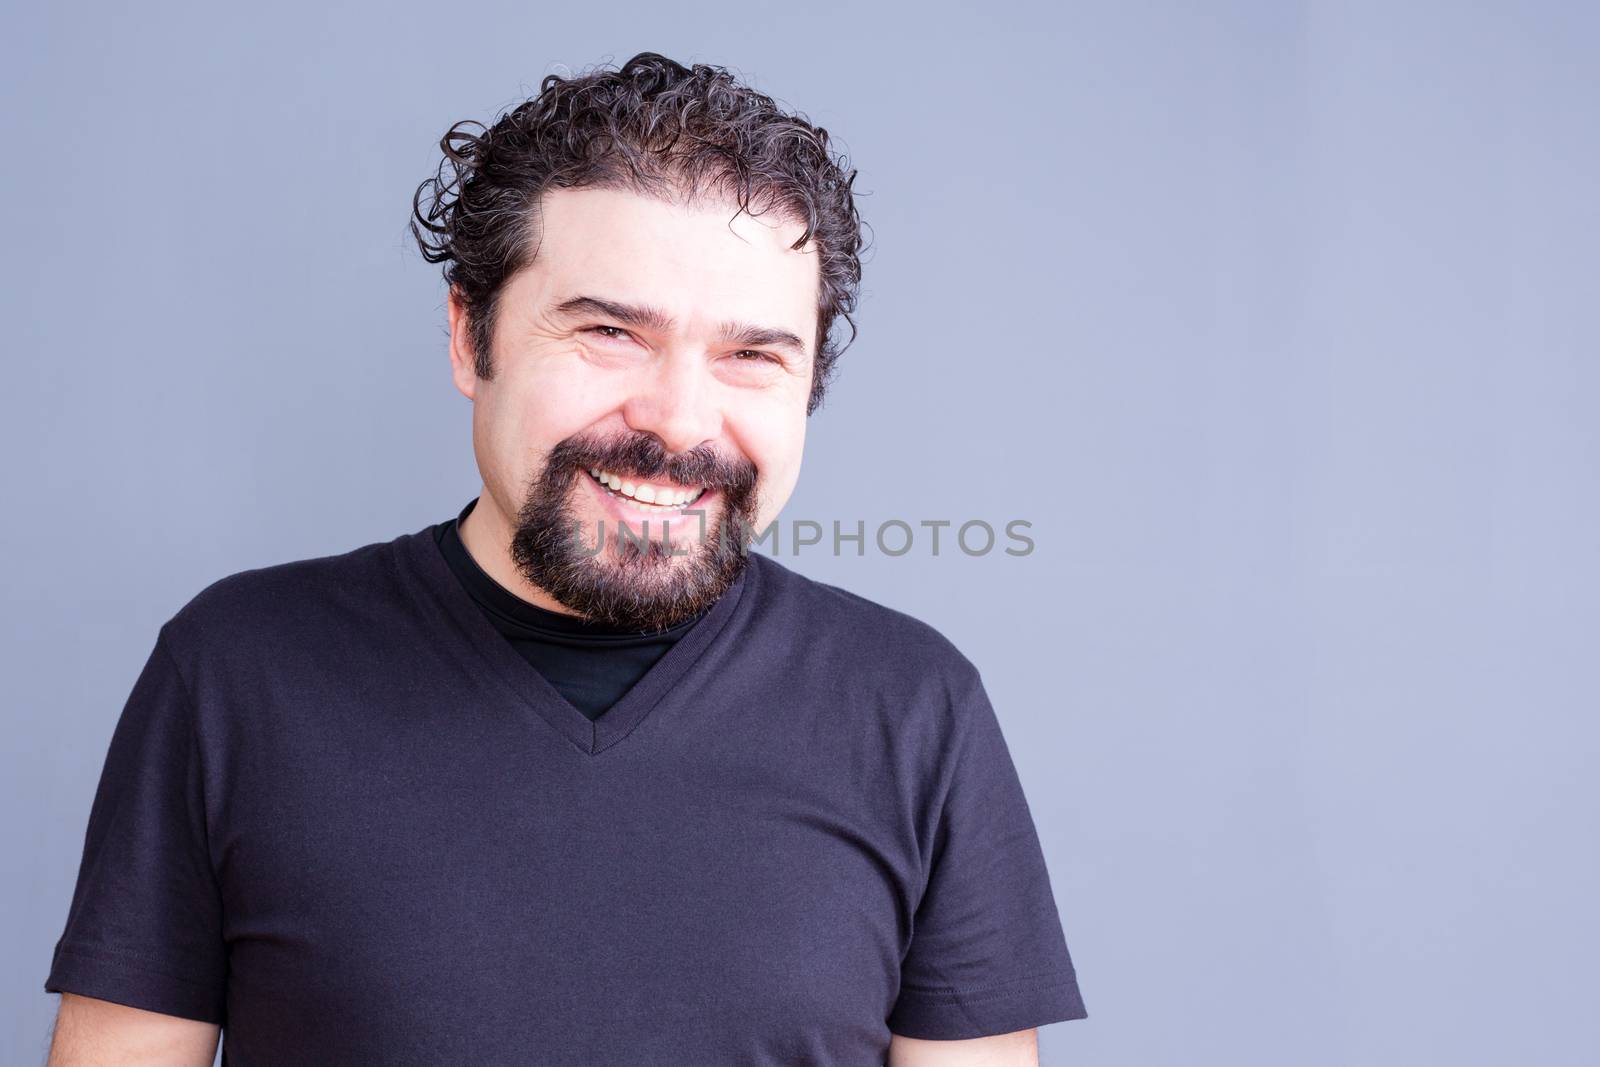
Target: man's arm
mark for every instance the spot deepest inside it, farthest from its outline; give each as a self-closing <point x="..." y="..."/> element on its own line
<point x="1017" y="1049"/>
<point x="98" y="1033"/>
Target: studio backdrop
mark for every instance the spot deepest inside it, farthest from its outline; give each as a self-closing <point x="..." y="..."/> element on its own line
<point x="1264" y="335"/>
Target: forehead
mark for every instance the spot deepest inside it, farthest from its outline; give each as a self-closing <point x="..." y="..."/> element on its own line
<point x="702" y="264"/>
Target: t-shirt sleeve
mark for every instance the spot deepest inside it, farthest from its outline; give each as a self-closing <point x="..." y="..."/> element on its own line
<point x="145" y="924"/>
<point x="988" y="954"/>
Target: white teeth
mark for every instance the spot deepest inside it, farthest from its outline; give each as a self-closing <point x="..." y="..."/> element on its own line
<point x="644" y="495"/>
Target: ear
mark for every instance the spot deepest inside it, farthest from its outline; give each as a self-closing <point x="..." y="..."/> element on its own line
<point x="463" y="367"/>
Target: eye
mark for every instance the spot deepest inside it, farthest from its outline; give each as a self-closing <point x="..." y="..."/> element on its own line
<point x="616" y="333"/>
<point x="750" y="355"/>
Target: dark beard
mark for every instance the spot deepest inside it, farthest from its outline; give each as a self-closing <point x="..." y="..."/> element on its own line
<point x="634" y="584"/>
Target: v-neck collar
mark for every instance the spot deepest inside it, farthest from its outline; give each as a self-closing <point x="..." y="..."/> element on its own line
<point x="419" y="553"/>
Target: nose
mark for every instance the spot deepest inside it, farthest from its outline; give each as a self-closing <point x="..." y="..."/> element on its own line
<point x="675" y="401"/>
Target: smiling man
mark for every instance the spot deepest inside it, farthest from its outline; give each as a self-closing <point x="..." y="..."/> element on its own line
<point x="574" y="777"/>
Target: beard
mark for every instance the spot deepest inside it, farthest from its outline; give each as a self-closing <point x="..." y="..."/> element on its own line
<point x="634" y="583"/>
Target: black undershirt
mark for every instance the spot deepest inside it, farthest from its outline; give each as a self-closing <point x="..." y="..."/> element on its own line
<point x="589" y="664"/>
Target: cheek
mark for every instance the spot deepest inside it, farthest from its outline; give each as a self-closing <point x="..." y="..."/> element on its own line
<point x="517" y="419"/>
<point x="570" y="394"/>
<point x="542" y="406"/>
<point x="497" y="437"/>
<point x="776" y="449"/>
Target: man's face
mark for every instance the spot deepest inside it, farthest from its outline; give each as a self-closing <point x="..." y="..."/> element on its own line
<point x="648" y="342"/>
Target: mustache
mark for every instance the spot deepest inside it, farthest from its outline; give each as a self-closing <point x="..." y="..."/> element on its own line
<point x="642" y="456"/>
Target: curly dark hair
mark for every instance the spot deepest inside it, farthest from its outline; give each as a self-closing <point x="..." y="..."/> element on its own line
<point x="654" y="127"/>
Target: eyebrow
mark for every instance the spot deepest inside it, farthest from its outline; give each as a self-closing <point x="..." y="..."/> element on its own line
<point x="645" y="316"/>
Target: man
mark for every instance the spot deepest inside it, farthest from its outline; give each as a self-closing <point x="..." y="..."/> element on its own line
<point x="574" y="778"/>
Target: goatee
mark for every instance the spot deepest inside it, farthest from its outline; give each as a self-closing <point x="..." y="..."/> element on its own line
<point x="635" y="584"/>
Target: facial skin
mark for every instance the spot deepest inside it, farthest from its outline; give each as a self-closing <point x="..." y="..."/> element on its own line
<point x="679" y="404"/>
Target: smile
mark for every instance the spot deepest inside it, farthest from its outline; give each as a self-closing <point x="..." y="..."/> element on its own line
<point x="648" y="497"/>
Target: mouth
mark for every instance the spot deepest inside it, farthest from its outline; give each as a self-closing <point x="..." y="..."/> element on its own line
<point x="646" y="498"/>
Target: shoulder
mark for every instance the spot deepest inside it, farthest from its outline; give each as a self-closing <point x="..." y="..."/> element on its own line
<point x="888" y="680"/>
<point x="862" y="637"/>
<point x="289" y="601"/>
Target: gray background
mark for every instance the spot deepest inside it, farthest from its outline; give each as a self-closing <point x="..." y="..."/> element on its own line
<point x="1276" y="320"/>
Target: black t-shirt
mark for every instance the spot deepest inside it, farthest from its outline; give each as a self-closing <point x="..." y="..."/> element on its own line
<point x="342" y="816"/>
<point x="589" y="663"/>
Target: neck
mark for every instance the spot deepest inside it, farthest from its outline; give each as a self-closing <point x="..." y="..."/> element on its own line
<point x="486" y="531"/>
